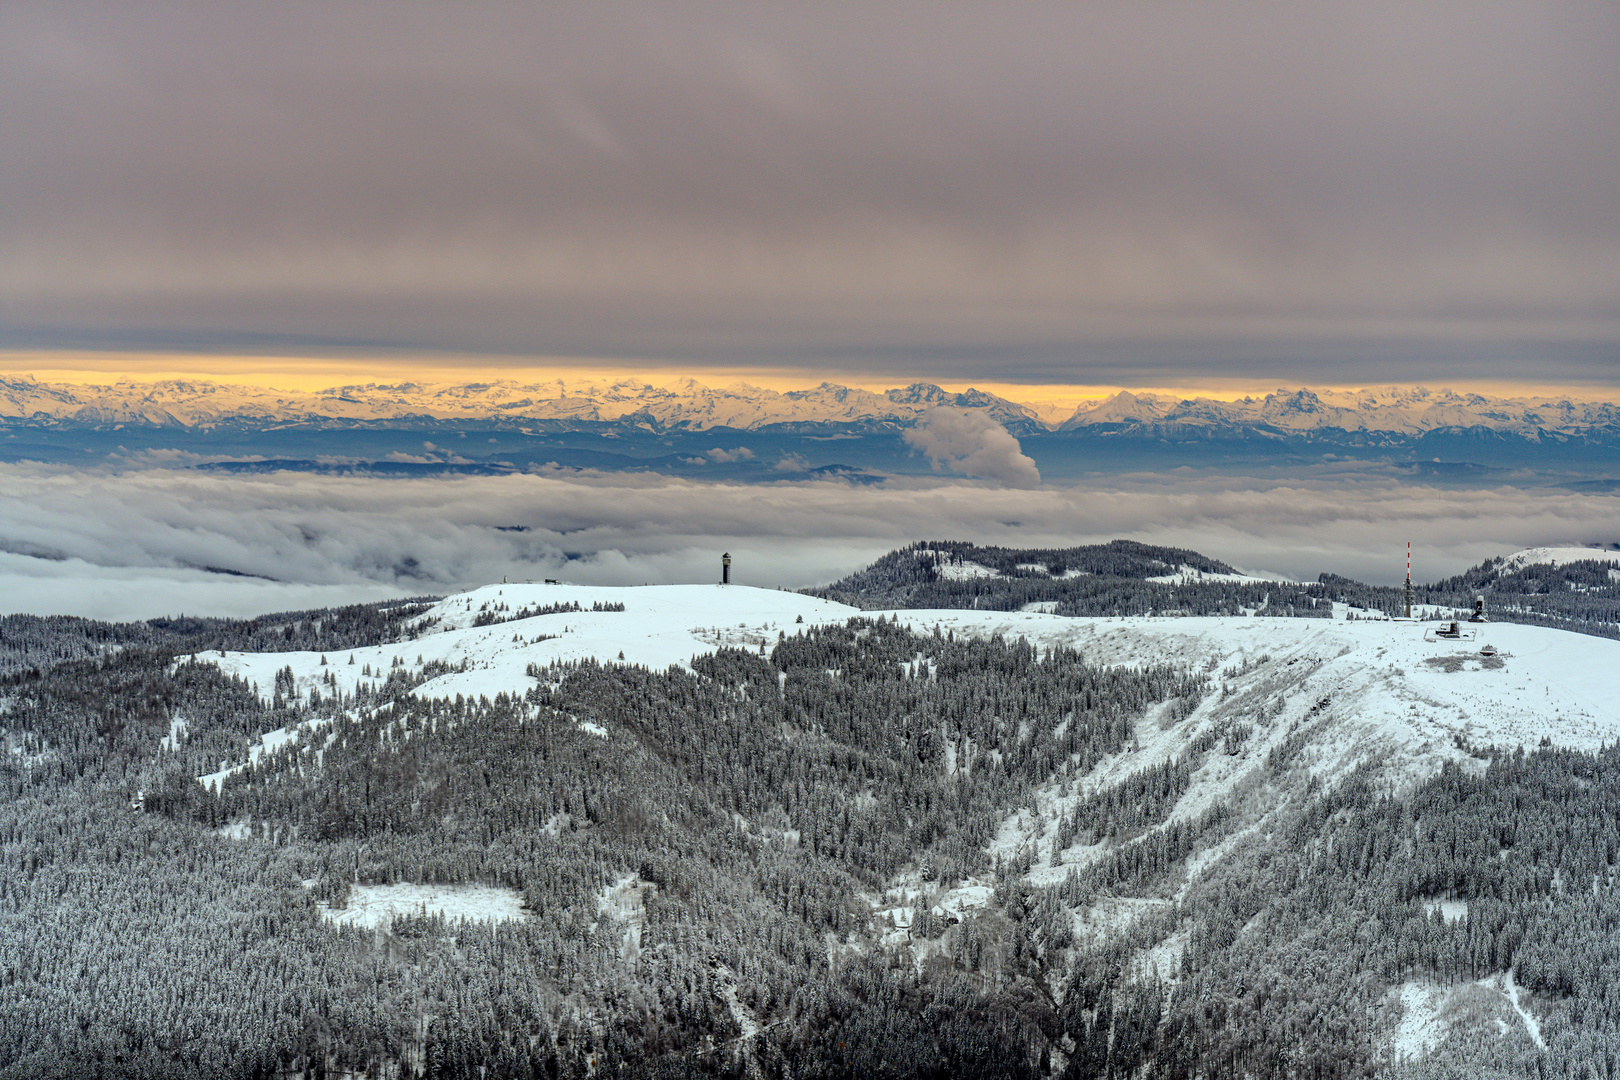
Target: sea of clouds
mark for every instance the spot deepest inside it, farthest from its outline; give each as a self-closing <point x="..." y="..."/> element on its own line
<point x="145" y="543"/>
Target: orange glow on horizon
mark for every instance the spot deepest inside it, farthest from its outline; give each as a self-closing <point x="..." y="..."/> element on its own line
<point x="313" y="373"/>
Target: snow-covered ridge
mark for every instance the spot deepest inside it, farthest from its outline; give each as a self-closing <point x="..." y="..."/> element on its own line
<point x="688" y="404"/>
<point x="660" y="625"/>
<point x="1557" y="556"/>
<point x="1290" y="704"/>
<point x="1393" y="697"/>
<point x="1332" y="695"/>
<point x="1394" y="410"/>
<point x="685" y="403"/>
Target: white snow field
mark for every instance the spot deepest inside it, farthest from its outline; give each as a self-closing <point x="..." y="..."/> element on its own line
<point x="371" y="906"/>
<point x="1431" y="1012"/>
<point x="661" y="625"/>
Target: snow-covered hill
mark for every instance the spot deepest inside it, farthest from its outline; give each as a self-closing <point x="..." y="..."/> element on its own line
<point x="1556" y="556"/>
<point x="1348" y="692"/>
<point x="1289" y="708"/>
<point x="660" y="625"/>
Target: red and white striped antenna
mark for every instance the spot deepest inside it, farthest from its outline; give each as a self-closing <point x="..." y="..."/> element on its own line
<point x="1409" y="579"/>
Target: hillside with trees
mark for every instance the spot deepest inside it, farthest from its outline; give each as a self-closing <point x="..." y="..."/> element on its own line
<point x="778" y="862"/>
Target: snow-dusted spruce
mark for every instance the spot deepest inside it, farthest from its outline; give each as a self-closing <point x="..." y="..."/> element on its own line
<point x="915" y="843"/>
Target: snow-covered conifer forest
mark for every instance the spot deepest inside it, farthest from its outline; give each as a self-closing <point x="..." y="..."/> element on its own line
<point x="1114" y="811"/>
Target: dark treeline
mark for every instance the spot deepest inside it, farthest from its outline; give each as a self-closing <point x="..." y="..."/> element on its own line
<point x="351" y="627"/>
<point x="31" y="644"/>
<point x="492" y="613"/>
<point x="1114" y="579"/>
<point x="1103" y="579"/>
<point x="920" y="563"/>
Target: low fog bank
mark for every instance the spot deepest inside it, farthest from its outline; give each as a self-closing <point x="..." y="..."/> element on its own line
<point x="125" y="593"/>
<point x="164" y="542"/>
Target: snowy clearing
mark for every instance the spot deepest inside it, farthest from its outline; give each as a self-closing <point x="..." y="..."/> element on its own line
<point x="625" y="901"/>
<point x="1184" y="575"/>
<point x="1423" y="1024"/>
<point x="966" y="570"/>
<point x="1450" y="910"/>
<point x="372" y="906"/>
<point x="1431" y="1012"/>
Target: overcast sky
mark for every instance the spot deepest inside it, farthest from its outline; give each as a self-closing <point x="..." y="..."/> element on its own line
<point x="1125" y="194"/>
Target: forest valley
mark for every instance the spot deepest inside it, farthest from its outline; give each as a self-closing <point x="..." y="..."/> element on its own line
<point x="870" y="844"/>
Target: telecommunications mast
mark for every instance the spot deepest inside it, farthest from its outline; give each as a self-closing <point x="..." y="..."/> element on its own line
<point x="725" y="569"/>
<point x="1409" y="579"/>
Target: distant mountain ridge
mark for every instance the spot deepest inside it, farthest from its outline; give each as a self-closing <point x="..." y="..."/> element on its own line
<point x="685" y="404"/>
<point x="1396" y="410"/>
<point x="691" y="406"/>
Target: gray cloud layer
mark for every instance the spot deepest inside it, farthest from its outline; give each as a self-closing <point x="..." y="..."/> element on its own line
<point x="130" y="544"/>
<point x="1080" y="191"/>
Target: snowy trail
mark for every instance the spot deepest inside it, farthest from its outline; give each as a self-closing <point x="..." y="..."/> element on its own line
<point x="1531" y="1024"/>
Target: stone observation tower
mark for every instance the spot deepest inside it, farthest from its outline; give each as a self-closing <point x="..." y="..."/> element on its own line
<point x="725" y="569"/>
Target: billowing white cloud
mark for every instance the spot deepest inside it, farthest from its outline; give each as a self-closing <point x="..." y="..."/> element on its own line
<point x="972" y="444"/>
<point x="141" y="544"/>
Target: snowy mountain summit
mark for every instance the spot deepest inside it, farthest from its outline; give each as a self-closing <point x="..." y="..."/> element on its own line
<point x="685" y="404"/>
<point x="689" y="405"/>
<point x="1409" y="411"/>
